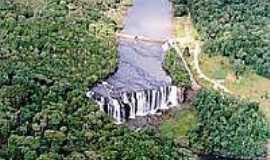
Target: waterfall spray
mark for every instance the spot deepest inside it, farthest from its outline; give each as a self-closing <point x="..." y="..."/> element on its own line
<point x="130" y="105"/>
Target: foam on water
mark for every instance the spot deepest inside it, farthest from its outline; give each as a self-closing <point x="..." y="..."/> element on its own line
<point x="140" y="86"/>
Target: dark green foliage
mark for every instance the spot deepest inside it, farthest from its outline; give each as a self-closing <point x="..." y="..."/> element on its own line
<point x="141" y="145"/>
<point x="180" y="8"/>
<point x="229" y="126"/>
<point x="237" y="29"/>
<point x="174" y="65"/>
<point x="56" y="46"/>
<point x="50" y="52"/>
<point x="239" y="67"/>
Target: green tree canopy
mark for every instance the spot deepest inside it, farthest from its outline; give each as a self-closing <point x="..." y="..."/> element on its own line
<point x="51" y="52"/>
<point x="238" y="29"/>
<point x="229" y="126"/>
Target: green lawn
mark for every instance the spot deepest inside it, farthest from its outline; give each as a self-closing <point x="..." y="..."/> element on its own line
<point x="183" y="27"/>
<point x="179" y="123"/>
<point x="250" y="85"/>
<point x="179" y="27"/>
<point x="215" y="67"/>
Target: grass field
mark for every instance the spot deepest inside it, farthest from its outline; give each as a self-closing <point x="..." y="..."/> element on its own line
<point x="215" y="67"/>
<point x="183" y="27"/>
<point x="249" y="85"/>
<point x="179" y="123"/>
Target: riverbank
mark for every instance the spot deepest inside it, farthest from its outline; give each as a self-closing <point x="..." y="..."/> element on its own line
<point x="219" y="70"/>
<point x="118" y="14"/>
<point x="185" y="30"/>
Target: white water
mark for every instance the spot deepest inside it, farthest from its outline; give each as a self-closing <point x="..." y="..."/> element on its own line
<point x="139" y="103"/>
<point x="140" y="86"/>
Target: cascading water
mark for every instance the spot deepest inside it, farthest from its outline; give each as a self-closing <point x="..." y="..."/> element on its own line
<point x="128" y="105"/>
<point x="140" y="86"/>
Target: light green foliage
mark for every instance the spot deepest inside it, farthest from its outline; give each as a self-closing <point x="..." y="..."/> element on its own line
<point x="179" y="124"/>
<point x="174" y="66"/>
<point x="229" y="126"/>
<point x="217" y="67"/>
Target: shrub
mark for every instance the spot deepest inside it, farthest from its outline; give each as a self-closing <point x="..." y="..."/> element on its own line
<point x="181" y="10"/>
<point x="174" y="66"/>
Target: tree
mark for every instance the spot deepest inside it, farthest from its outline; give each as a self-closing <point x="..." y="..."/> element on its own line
<point x="239" y="67"/>
<point x="229" y="126"/>
<point x="48" y="58"/>
<point x="237" y="29"/>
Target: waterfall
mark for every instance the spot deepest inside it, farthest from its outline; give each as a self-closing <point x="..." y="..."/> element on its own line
<point x="130" y="105"/>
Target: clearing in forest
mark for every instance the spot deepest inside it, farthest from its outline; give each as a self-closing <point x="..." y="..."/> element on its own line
<point x="221" y="70"/>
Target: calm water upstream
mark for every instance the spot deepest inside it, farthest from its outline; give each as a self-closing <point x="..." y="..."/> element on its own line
<point x="140" y="86"/>
<point x="140" y="63"/>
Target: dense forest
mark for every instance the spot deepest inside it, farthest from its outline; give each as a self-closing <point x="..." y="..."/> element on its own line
<point x="238" y="29"/>
<point x="228" y="126"/>
<point x="51" y="52"/>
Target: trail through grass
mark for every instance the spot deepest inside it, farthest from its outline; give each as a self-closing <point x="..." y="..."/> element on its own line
<point x="249" y="85"/>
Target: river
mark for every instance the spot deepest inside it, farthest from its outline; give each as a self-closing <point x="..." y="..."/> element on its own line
<point x="140" y="86"/>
